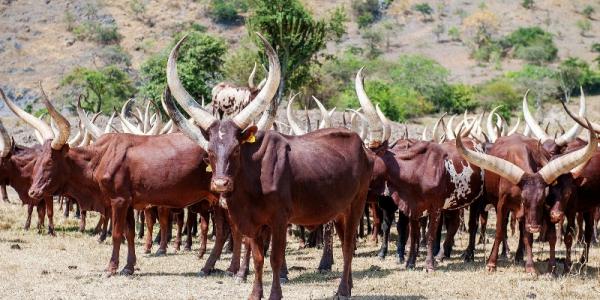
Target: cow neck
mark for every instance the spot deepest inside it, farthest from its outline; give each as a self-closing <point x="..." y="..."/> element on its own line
<point x="22" y="163"/>
<point x="79" y="176"/>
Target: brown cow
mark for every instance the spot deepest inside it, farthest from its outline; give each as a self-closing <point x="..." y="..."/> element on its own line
<point x="517" y="178"/>
<point x="16" y="168"/>
<point x="124" y="171"/>
<point x="268" y="179"/>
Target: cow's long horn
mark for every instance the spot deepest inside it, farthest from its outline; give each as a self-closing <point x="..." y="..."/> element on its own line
<point x="387" y="128"/>
<point x="491" y="163"/>
<point x="191" y="131"/>
<point x="449" y="131"/>
<point x="251" y="77"/>
<point x="489" y="125"/>
<point x="107" y="129"/>
<point x="266" y="94"/>
<point x="435" y="128"/>
<point x="363" y="129"/>
<point x="127" y="126"/>
<point x="375" y="128"/>
<point x="515" y="128"/>
<point x="574" y="131"/>
<point x="424" y="136"/>
<point x="325" y="119"/>
<point x="468" y="130"/>
<point x="187" y="102"/>
<point x="581" y="121"/>
<point x="146" y="119"/>
<point x="87" y="124"/>
<point x="292" y="119"/>
<point x="537" y="131"/>
<point x="167" y="127"/>
<point x="567" y="162"/>
<point x="74" y="141"/>
<point x="63" y="125"/>
<point x="5" y="141"/>
<point x="38" y="125"/>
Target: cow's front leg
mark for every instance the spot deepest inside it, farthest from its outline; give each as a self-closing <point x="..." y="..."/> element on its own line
<point x="434" y="220"/>
<point x="119" y="215"/>
<point x="277" y="259"/>
<point x="130" y="235"/>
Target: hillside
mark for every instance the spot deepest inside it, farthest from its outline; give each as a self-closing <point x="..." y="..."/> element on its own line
<point x="36" y="45"/>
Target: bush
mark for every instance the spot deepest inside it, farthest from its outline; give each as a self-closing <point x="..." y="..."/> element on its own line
<point x="542" y="81"/>
<point x="460" y="97"/>
<point x="115" y="55"/>
<point x="397" y="102"/>
<point x="199" y="65"/>
<point x="454" y="34"/>
<point x="499" y="92"/>
<point x="226" y="11"/>
<point x="584" y="26"/>
<point x="424" y="9"/>
<point x="575" y="72"/>
<point x="487" y="52"/>
<point x="532" y="44"/>
<point x="423" y="75"/>
<point x="587" y="11"/>
<point x="104" y="88"/>
<point x="97" y="32"/>
<point x="366" y="11"/>
<point x="528" y="4"/>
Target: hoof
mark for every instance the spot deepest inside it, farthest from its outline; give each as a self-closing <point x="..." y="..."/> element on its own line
<point x="491" y="268"/>
<point x="126" y="272"/>
<point x="229" y="273"/>
<point x="147" y="251"/>
<point x="468" y="256"/>
<point x="160" y="252"/>
<point x="109" y="274"/>
<point x="203" y="273"/>
<point x="400" y="260"/>
<point x="283" y="280"/>
<point x="187" y="249"/>
<point x="239" y="279"/>
<point x="410" y="266"/>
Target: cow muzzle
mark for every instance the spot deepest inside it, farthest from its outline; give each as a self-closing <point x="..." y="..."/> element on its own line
<point x="221" y="185"/>
<point x="533" y="228"/>
<point x="35" y="194"/>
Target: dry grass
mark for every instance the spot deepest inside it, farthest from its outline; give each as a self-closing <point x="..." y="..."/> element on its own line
<point x="71" y="266"/>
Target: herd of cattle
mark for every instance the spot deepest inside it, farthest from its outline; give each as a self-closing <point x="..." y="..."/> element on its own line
<point x="256" y="181"/>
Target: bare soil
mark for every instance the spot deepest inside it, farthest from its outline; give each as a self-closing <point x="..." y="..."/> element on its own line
<point x="71" y="266"/>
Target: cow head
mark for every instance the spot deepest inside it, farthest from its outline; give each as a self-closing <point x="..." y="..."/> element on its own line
<point x="534" y="187"/>
<point x="222" y="139"/>
<point x="48" y="168"/>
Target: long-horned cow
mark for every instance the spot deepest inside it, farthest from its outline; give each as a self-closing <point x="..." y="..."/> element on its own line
<point x="518" y="178"/>
<point x="268" y="180"/>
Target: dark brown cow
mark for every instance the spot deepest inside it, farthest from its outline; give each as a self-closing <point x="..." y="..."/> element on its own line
<point x="16" y="169"/>
<point x="268" y="179"/>
<point x="426" y="177"/>
<point x="518" y="176"/>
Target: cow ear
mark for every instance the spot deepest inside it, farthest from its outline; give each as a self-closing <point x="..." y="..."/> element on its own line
<point x="249" y="135"/>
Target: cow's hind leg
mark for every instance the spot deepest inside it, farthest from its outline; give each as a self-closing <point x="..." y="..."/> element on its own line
<point x="50" y="212"/>
<point x="163" y="220"/>
<point x="434" y="221"/>
<point x="119" y="215"/>
<point x="130" y="236"/>
<point x="327" y="255"/>
<point x="278" y="239"/>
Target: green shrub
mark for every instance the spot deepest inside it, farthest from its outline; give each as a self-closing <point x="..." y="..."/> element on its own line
<point x="366" y="11"/>
<point x="115" y="55"/>
<point x="224" y="11"/>
<point x="587" y="11"/>
<point x="584" y="26"/>
<point x="528" y="4"/>
<point x="425" y="10"/>
<point x="97" y="32"/>
<point x="199" y="65"/>
<point x="499" y="92"/>
<point x="460" y="97"/>
<point x="397" y="102"/>
<point x="575" y="72"/>
<point x="454" y="34"/>
<point x="104" y="88"/>
<point x="423" y="75"/>
<point x="487" y="52"/>
<point x="532" y="44"/>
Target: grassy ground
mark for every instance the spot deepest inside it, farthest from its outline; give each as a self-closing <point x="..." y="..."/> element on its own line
<point x="71" y="266"/>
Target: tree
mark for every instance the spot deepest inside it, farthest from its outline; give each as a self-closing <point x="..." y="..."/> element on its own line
<point x="425" y="10"/>
<point x="571" y="75"/>
<point x="366" y="11"/>
<point x="479" y="28"/>
<point x="199" y="65"/>
<point x="373" y="38"/>
<point x="103" y="88"/>
<point x="528" y="4"/>
<point x="295" y="36"/>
